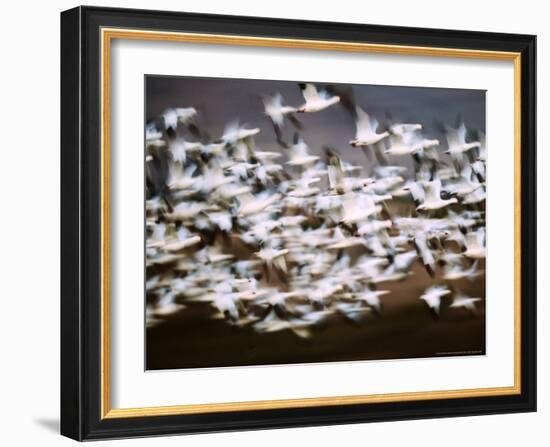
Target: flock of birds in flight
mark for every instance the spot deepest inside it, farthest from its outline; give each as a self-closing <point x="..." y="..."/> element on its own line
<point x="287" y="240"/>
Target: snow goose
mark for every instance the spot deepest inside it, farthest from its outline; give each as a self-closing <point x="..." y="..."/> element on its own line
<point x="180" y="179"/>
<point x="251" y="204"/>
<point x="355" y="312"/>
<point x="358" y="207"/>
<point x="234" y="132"/>
<point x="299" y="154"/>
<point x="180" y="148"/>
<point x="465" y="184"/>
<point x="340" y="241"/>
<point x="172" y="117"/>
<point x="272" y="256"/>
<point x="373" y="226"/>
<point x="433" y="200"/>
<point x="400" y="145"/>
<point x="456" y="140"/>
<point x="366" y="130"/>
<point x="432" y="296"/>
<point x="372" y="298"/>
<point x="465" y="301"/>
<point x="277" y="112"/>
<point x="182" y="240"/>
<point x="477" y="196"/>
<point x="167" y="305"/>
<point x="315" y="101"/>
<point x="482" y="153"/>
<point x="455" y="272"/>
<point x="475" y="244"/>
<point x="404" y="128"/>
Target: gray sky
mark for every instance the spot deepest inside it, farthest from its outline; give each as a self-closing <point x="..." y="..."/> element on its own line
<point x="220" y="101"/>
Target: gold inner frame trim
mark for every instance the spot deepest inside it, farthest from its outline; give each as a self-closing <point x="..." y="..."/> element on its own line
<point x="107" y="35"/>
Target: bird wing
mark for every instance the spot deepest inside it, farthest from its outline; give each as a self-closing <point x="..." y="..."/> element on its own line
<point x="433" y="190"/>
<point x="365" y="125"/>
<point x="309" y="92"/>
<point x="333" y="177"/>
<point x="480" y="236"/>
<point x="417" y="191"/>
<point x="461" y="133"/>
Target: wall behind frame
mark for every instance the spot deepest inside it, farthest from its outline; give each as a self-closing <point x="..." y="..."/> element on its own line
<point x="30" y="218"/>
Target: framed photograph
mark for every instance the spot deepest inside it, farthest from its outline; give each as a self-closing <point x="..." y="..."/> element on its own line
<point x="273" y="223"/>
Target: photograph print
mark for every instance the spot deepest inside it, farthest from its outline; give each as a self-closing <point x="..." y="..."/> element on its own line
<point x="306" y="222"/>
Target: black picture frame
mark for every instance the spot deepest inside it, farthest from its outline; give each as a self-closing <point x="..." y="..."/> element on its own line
<point x="81" y="393"/>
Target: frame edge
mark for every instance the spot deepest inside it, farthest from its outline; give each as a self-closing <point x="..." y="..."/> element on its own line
<point x="80" y="420"/>
<point x="71" y="317"/>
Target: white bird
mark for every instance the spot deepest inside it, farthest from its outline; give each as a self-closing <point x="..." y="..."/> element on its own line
<point x="465" y="220"/>
<point x="432" y="296"/>
<point x="281" y="299"/>
<point x="183" y="115"/>
<point x="214" y="254"/>
<point x="250" y="204"/>
<point x="384" y="186"/>
<point x="404" y="128"/>
<point x="315" y="101"/>
<point x="167" y="305"/>
<point x="340" y="241"/>
<point x="277" y="112"/>
<point x="433" y="200"/>
<point x="475" y="244"/>
<point x="323" y="289"/>
<point x="417" y="192"/>
<point x="455" y="272"/>
<point x="478" y="195"/>
<point x="373" y="226"/>
<point x="372" y="298"/>
<point x="222" y="220"/>
<point x="366" y="130"/>
<point x="241" y="169"/>
<point x="275" y="109"/>
<point x="390" y="274"/>
<point x="151" y="133"/>
<point x="358" y="207"/>
<point x="456" y="140"/>
<point x="482" y="153"/>
<point x="246" y="268"/>
<point x="299" y="154"/>
<point x="226" y="304"/>
<point x="213" y="177"/>
<point x="464" y="301"/>
<point x="234" y="132"/>
<point x="403" y="261"/>
<point x="390" y="171"/>
<point x="182" y="240"/>
<point x="465" y="184"/>
<point x="340" y="183"/>
<point x="231" y="191"/>
<point x="426" y="147"/>
<point x="273" y="257"/>
<point x="273" y="323"/>
<point x="180" y="148"/>
<point x="186" y="210"/>
<point x="156" y="239"/>
<point x="353" y="311"/>
<point x="180" y="179"/>
<point x="303" y="188"/>
<point x="428" y="259"/>
<point x="401" y="145"/>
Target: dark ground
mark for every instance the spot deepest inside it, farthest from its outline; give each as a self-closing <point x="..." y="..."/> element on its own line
<point x="406" y="329"/>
